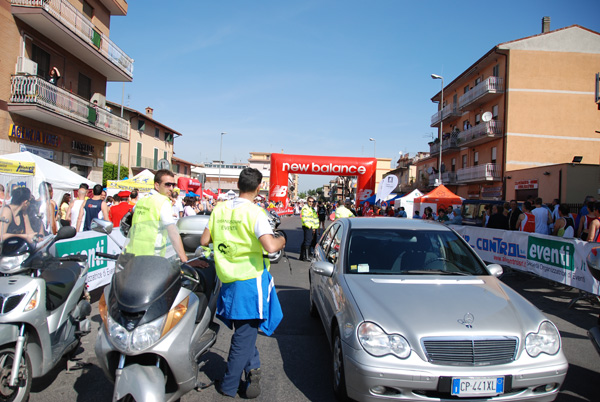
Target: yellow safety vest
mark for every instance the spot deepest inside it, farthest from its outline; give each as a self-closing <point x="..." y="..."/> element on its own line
<point x="343" y="212"/>
<point x="309" y="217"/>
<point x="149" y="237"/>
<point x="238" y="253"/>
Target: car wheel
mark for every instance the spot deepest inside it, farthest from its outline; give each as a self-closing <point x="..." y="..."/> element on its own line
<point x="313" y="308"/>
<point x="339" y="374"/>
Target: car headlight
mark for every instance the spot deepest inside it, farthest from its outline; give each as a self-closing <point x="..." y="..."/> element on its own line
<point x="378" y="343"/>
<point x="8" y="264"/>
<point x="545" y="340"/>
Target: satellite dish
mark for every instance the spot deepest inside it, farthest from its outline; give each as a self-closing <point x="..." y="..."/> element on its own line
<point x="487" y="116"/>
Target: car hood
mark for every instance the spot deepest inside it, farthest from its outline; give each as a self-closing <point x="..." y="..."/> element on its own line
<point x="424" y="306"/>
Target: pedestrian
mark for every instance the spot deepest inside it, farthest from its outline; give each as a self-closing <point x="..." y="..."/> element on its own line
<point x="188" y="210"/>
<point x="134" y="197"/>
<point x="343" y="211"/>
<point x="442" y="217"/>
<point x="594" y="230"/>
<point x="585" y="221"/>
<point x="526" y="221"/>
<point x="76" y="206"/>
<point x="322" y="213"/>
<point x="2" y="195"/>
<point x="241" y="235"/>
<point x="543" y="218"/>
<point x="417" y="215"/>
<point x="401" y="213"/>
<point x="91" y="209"/>
<point x="564" y="226"/>
<point x="64" y="218"/>
<point x="54" y="76"/>
<point x="428" y="214"/>
<point x="310" y="224"/>
<point x="450" y="213"/>
<point x="497" y="219"/>
<point x="153" y="216"/>
<point x="514" y="216"/>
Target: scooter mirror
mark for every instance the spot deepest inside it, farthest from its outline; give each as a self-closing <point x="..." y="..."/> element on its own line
<point x="202" y="251"/>
<point x="593" y="262"/>
<point x="101" y="226"/>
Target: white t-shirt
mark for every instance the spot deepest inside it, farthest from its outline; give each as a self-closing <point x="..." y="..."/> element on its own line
<point x="541" y="220"/>
<point x="188" y="211"/>
<point x="77" y="204"/>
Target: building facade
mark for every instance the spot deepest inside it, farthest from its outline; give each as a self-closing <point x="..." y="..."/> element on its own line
<point x="61" y="119"/>
<point x="149" y="141"/>
<point x="525" y="103"/>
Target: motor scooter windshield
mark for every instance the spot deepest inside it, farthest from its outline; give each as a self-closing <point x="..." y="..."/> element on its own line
<point x="27" y="212"/>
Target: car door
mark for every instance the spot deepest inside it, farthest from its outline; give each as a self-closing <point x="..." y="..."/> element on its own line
<point x="329" y="286"/>
<point x="321" y="254"/>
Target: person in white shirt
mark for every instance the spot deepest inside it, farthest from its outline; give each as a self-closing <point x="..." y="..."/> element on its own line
<point x="76" y="206"/>
<point x="542" y="217"/>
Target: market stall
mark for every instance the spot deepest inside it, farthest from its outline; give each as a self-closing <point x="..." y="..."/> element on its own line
<point x="408" y="202"/>
<point x="439" y="197"/>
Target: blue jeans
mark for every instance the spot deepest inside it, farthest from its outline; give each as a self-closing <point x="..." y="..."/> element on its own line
<point x="243" y="354"/>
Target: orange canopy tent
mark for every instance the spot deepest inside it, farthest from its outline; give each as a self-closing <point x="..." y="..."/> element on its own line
<point x="439" y="197"/>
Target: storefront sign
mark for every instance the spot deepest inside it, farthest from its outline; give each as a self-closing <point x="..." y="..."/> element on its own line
<point x="557" y="259"/>
<point x="491" y="192"/>
<point x="33" y="135"/>
<point x="44" y="153"/>
<point x="526" y="184"/>
<point x="82" y="147"/>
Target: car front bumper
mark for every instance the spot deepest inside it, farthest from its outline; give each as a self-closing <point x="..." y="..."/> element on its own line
<point x="367" y="382"/>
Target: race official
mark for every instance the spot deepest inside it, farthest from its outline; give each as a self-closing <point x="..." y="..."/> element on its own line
<point x="344" y="211"/>
<point x="310" y="224"/>
<point x="241" y="237"/>
<point x="154" y="215"/>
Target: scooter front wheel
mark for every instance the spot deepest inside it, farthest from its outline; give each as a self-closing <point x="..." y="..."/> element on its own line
<point x="20" y="392"/>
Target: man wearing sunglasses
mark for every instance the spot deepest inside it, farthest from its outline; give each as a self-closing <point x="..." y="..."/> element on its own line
<point x="156" y="213"/>
<point x="310" y="224"/>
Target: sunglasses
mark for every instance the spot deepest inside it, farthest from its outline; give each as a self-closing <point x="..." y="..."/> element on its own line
<point x="169" y="184"/>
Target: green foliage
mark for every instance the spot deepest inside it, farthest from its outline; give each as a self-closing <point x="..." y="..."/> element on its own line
<point x="109" y="172"/>
<point x="302" y="195"/>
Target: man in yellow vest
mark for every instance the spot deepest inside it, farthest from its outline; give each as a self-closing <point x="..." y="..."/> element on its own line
<point x="310" y="224"/>
<point x="153" y="219"/>
<point x="343" y="211"/>
<point x="242" y="236"/>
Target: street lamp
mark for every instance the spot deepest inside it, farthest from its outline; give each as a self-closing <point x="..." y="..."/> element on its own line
<point x="220" y="161"/>
<point x="439" y="77"/>
<point x="374" y="147"/>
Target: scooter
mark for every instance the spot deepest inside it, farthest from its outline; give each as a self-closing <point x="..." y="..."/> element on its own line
<point x="593" y="263"/>
<point x="157" y="319"/>
<point x="43" y="309"/>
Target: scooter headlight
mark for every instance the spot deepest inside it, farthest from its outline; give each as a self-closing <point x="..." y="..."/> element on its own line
<point x="118" y="335"/>
<point x="147" y="335"/>
<point x="10" y="264"/>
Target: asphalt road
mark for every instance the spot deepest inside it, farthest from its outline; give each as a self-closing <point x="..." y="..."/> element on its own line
<point x="296" y="359"/>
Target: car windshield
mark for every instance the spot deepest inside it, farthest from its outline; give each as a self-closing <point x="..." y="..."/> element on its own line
<point x="410" y="252"/>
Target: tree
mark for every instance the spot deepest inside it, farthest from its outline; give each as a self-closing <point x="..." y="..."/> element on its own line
<point x="302" y="195"/>
<point x="109" y="172"/>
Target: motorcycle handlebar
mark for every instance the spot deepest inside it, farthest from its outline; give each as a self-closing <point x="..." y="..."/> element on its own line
<point x="75" y="257"/>
<point x="106" y="255"/>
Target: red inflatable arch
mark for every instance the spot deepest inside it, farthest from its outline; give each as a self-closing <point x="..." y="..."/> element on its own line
<point x="283" y="164"/>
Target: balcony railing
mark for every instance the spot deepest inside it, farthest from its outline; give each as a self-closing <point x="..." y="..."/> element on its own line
<point x="143" y="162"/>
<point x="485" y="172"/>
<point x="450" y="110"/>
<point x="480" y="133"/>
<point x="447" y="145"/>
<point x="79" y="24"/>
<point x="31" y="90"/>
<point x="447" y="178"/>
<point x="493" y="85"/>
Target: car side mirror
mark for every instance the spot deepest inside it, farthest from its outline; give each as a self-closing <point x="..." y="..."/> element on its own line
<point x="322" y="268"/>
<point x="101" y="226"/>
<point x="495" y="270"/>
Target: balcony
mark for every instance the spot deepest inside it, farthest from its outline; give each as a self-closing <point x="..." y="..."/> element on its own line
<point x="143" y="162"/>
<point x="448" y="145"/>
<point x="448" y="178"/>
<point x="485" y="172"/>
<point x="482" y="92"/>
<point x="39" y="100"/>
<point x="449" y="111"/>
<point x="62" y="23"/>
<point x="480" y="133"/>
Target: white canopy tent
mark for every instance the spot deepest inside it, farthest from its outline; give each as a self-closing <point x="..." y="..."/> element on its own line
<point x="62" y="179"/>
<point x="408" y="202"/>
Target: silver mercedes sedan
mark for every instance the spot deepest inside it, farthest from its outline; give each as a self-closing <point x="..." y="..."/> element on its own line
<point x="413" y="314"/>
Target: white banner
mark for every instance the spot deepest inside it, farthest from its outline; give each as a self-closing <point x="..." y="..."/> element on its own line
<point x="560" y="260"/>
<point x="89" y="243"/>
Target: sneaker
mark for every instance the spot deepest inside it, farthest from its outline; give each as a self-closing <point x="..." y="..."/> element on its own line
<point x="253" y="380"/>
<point x="218" y="384"/>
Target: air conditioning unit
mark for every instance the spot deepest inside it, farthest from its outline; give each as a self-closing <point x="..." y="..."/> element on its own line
<point x="100" y="98"/>
<point x="26" y="66"/>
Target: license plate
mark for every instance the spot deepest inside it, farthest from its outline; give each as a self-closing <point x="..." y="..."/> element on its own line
<point x="477" y="386"/>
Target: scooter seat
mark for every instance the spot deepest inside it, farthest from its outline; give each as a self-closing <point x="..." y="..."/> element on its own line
<point x="60" y="280"/>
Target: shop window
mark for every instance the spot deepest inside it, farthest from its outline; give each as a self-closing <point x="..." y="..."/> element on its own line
<point x="42" y="58"/>
<point x="141" y="125"/>
<point x="156" y="132"/>
<point x="84" y="86"/>
<point x="88" y="10"/>
<point x="495" y="112"/>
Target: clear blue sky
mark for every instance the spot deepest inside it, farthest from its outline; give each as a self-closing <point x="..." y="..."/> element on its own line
<point x="315" y="77"/>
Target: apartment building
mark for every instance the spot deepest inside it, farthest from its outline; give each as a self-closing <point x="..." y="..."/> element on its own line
<point x="149" y="141"/>
<point x="181" y="167"/>
<point x="61" y="119"/>
<point x="526" y="103"/>
<point x="406" y="171"/>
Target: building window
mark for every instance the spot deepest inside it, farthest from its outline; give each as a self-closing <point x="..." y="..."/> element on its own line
<point x="477" y="118"/>
<point x="475" y="158"/>
<point x="466" y="125"/>
<point x="455" y="100"/>
<point x="141" y="125"/>
<point x="464" y="161"/>
<point x="496" y="70"/>
<point x="466" y="89"/>
<point x="88" y="10"/>
<point x="453" y="167"/>
<point x="84" y="87"/>
<point x="477" y="81"/>
<point x="185" y="172"/>
<point x="156" y="132"/>
<point x="138" y="158"/>
<point x="495" y="112"/>
<point x="42" y="58"/>
<point x="493" y="154"/>
<point x="155" y="158"/>
<point x="176" y="168"/>
<point x="165" y="155"/>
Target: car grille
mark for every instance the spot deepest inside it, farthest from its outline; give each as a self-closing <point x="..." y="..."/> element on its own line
<point x="470" y="352"/>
